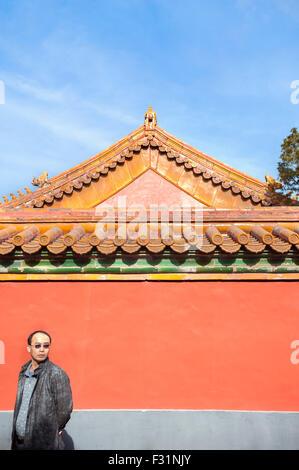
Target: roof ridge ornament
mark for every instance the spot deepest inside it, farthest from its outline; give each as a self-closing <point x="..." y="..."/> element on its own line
<point x="41" y="181"/>
<point x="150" y="119"/>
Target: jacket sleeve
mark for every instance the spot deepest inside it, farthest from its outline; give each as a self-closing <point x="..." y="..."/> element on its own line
<point x="16" y="409"/>
<point x="62" y="395"/>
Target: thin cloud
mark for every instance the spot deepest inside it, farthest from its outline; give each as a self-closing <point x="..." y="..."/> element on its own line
<point x="65" y="97"/>
<point x="34" y="90"/>
<point x="61" y="126"/>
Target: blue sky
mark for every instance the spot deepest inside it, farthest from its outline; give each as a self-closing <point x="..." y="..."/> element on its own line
<point x="79" y="75"/>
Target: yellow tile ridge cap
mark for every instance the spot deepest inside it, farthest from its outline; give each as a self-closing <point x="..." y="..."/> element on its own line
<point x="90" y="160"/>
<point x="211" y="159"/>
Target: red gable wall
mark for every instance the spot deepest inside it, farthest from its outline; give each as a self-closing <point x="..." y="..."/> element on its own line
<point x="149" y="189"/>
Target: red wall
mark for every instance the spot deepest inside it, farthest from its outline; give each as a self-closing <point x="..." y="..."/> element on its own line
<point x="159" y="345"/>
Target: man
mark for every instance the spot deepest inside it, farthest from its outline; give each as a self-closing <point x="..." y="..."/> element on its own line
<point x="44" y="399"/>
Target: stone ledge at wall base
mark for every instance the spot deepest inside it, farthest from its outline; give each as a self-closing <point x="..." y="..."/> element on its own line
<point x="174" y="430"/>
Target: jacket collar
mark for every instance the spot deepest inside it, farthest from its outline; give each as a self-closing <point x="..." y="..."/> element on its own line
<point x="42" y="366"/>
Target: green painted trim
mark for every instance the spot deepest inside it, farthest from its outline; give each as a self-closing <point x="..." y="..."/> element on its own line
<point x="143" y="262"/>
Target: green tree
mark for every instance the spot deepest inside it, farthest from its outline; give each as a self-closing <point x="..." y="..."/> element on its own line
<point x="288" y="166"/>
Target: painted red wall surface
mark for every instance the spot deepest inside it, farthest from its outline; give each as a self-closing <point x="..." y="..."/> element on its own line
<point x="160" y="345"/>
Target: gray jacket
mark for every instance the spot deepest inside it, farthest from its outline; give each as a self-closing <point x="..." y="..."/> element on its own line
<point x="49" y="410"/>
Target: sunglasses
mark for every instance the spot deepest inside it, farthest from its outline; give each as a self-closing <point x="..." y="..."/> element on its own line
<point x="38" y="345"/>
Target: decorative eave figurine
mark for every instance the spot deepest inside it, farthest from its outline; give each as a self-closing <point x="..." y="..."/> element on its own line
<point x="41" y="181"/>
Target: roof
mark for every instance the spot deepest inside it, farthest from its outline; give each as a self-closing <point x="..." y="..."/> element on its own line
<point x="64" y="242"/>
<point x="130" y="237"/>
<point x="189" y="217"/>
<point x="149" y="147"/>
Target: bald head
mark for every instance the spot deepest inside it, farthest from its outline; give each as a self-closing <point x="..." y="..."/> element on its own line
<point x="30" y="337"/>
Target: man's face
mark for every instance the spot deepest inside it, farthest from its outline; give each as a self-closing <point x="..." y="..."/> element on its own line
<point x="40" y="346"/>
